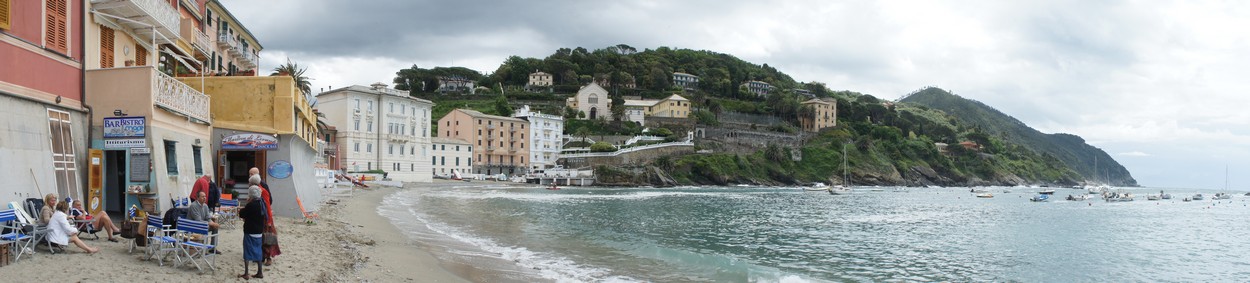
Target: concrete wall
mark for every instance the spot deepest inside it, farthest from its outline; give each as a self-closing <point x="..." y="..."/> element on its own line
<point x="24" y="146"/>
<point x="303" y="180"/>
<point x="640" y="157"/>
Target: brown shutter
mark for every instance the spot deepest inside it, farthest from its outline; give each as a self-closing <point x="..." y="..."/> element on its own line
<point x="4" y="15"/>
<point x="106" y="47"/>
<point x="56" y="37"/>
<point x="141" y="56"/>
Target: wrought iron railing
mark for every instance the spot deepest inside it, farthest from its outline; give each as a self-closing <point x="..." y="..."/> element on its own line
<point x="179" y="97"/>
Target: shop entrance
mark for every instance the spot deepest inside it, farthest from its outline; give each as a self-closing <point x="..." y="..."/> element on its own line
<point x="114" y="180"/>
<point x="233" y="167"/>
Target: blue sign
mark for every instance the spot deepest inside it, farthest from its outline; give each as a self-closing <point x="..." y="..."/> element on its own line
<point x="280" y="169"/>
<point x="124" y="127"/>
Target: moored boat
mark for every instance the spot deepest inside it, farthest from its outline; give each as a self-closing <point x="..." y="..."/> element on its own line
<point x="985" y="195"/>
<point x="1077" y="197"/>
<point x="1040" y="198"/>
<point x="1047" y="192"/>
<point x="1219" y="196"/>
<point x="1197" y="197"/>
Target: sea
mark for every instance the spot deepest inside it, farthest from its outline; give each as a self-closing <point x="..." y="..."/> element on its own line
<point x="785" y="234"/>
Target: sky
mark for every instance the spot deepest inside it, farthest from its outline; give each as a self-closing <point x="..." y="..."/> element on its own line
<point x="1159" y="85"/>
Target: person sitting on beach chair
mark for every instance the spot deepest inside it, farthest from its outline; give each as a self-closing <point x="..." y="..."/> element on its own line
<point x="62" y="233"/>
<point x="91" y="224"/>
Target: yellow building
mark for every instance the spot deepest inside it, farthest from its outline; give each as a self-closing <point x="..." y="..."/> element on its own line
<point x="267" y="123"/>
<point x="674" y="106"/>
<point x="825" y="116"/>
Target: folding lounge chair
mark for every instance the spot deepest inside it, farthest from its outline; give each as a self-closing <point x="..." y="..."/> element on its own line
<point x="228" y="213"/>
<point x="34" y="208"/>
<point x="196" y="251"/>
<point x="161" y="239"/>
<point x="85" y="226"/>
<point x="309" y="217"/>
<point x="14" y="233"/>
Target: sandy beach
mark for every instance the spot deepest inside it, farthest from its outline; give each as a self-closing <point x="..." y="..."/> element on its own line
<point x="350" y="243"/>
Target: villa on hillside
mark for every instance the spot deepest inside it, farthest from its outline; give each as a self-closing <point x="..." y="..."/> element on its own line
<point x="685" y="81"/>
<point x="674" y="106"/>
<point x="592" y="100"/>
<point x="758" y="88"/>
<point x="454" y="84"/>
<point x="539" y="81"/>
<point x="826" y="115"/>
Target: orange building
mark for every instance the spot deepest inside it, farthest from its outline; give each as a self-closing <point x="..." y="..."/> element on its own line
<point x="499" y="143"/>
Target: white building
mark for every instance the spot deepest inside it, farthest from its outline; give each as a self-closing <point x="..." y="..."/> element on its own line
<point x="451" y="156"/>
<point x="546" y="134"/>
<point x="592" y="100"/>
<point x="381" y="129"/>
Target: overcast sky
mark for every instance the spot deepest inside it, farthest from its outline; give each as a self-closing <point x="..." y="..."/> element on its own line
<point x="1160" y="86"/>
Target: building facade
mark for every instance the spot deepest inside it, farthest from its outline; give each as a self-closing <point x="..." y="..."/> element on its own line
<point x="673" y="106"/>
<point x="45" y="135"/>
<point x="758" y="88"/>
<point x="499" y="143"/>
<point x="451" y="157"/>
<point x="233" y="50"/>
<point x="825" y="115"/>
<point x="685" y="81"/>
<point x="539" y="81"/>
<point x="266" y="123"/>
<point x="546" y="134"/>
<point x="381" y="129"/>
<point x="454" y="84"/>
<point x="592" y="101"/>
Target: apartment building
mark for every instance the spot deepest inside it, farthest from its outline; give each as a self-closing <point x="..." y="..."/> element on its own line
<point x="546" y="133"/>
<point x="451" y="157"/>
<point x="499" y="143"/>
<point x="380" y="128"/>
<point x="825" y="116"/>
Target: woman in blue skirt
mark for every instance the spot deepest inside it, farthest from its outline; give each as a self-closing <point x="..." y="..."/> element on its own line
<point x="254" y="219"/>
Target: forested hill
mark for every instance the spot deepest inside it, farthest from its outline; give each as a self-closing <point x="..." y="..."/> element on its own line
<point x="1070" y="149"/>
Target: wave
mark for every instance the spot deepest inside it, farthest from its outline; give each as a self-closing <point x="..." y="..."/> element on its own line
<point x="399" y="208"/>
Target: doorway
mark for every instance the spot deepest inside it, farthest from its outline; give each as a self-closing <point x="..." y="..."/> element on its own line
<point x="114" y="180"/>
<point x="235" y="166"/>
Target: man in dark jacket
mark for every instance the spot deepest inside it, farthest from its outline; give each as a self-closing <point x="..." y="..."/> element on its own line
<point x="214" y="196"/>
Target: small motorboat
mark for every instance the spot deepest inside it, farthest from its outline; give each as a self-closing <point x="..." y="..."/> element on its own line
<point x="1166" y="196"/>
<point x="1186" y="200"/>
<point x="838" y="190"/>
<point x="1153" y="197"/>
<point x="1047" y="192"/>
<point x="1198" y="197"/>
<point x="985" y="195"/>
<point x="553" y="188"/>
<point x="1040" y="198"/>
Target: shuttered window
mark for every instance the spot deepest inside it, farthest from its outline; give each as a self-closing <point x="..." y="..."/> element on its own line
<point x="141" y="56"/>
<point x="106" y="47"/>
<point x="56" y="38"/>
<point x="4" y="15"/>
<point x="64" y="160"/>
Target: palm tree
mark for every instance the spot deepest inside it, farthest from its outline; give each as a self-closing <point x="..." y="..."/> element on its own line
<point x="296" y="72"/>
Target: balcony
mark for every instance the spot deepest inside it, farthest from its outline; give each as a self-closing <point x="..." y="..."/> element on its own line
<point x="148" y="16"/>
<point x="177" y="97"/>
<point x="512" y="149"/>
<point x="491" y="148"/>
<point x="226" y="41"/>
<point x="248" y="60"/>
<point x="490" y="126"/>
<point x="198" y="39"/>
<point x="512" y="129"/>
<point x="490" y="137"/>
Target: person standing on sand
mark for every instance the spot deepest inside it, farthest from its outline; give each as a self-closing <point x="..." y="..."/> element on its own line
<point x="271" y="251"/>
<point x="254" y="217"/>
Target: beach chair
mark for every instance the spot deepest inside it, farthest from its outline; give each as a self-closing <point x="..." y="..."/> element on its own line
<point x="85" y="226"/>
<point x="309" y="217"/>
<point x="14" y="233"/>
<point x="228" y="213"/>
<point x="196" y="251"/>
<point x="34" y="208"/>
<point x="161" y="241"/>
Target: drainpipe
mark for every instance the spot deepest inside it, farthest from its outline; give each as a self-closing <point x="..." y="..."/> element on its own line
<point x="379" y="113"/>
<point x="82" y="90"/>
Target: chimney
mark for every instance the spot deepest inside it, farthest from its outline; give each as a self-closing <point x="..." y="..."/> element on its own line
<point x="378" y="86"/>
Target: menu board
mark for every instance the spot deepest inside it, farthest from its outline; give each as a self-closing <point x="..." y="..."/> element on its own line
<point x="140" y="166"/>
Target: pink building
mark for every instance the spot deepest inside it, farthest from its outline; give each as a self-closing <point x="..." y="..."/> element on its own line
<point x="41" y="92"/>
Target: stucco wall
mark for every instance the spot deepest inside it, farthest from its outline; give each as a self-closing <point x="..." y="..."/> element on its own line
<point x="24" y="146"/>
<point x="302" y="183"/>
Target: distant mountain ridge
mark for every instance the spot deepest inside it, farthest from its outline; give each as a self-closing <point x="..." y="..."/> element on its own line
<point x="1070" y="149"/>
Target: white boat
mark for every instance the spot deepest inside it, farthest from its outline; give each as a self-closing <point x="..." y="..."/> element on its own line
<point x="985" y="195"/>
<point x="1077" y="197"/>
<point x="845" y="187"/>
<point x="1197" y="197"/>
<point x="1120" y="196"/>
<point x="1220" y="196"/>
<point x="1046" y="192"/>
<point x="1154" y="197"/>
<point x="978" y="191"/>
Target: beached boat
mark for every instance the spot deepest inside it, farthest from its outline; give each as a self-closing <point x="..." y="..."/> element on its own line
<point x="1040" y="198"/>
<point x="985" y="195"/>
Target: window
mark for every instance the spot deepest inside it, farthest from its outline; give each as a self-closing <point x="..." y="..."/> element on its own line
<point x="412" y="150"/>
<point x="171" y="157"/>
<point x="370" y="104"/>
<point x="434" y="161"/>
<point x="63" y="158"/>
<point x="141" y="55"/>
<point x="444" y="160"/>
<point x="457" y="148"/>
<point x="198" y="158"/>
<point x="357" y="147"/>
<point x="593" y="99"/>
<point x="390" y="149"/>
<point x="457" y="161"/>
<point x="106" y="47"/>
<point x="357" y="103"/>
<point x="57" y="26"/>
<point x="368" y="147"/>
<point x="392" y="105"/>
<point x="369" y="126"/>
<point x="357" y="122"/>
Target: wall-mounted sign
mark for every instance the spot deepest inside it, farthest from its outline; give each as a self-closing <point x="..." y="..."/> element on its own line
<point x="249" y="142"/>
<point x="125" y="143"/>
<point x="140" y="167"/>
<point x="124" y="127"/>
<point x="280" y="169"/>
<point x="140" y="150"/>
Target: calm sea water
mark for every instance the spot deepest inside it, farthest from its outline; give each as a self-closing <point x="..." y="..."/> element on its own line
<point x="788" y="235"/>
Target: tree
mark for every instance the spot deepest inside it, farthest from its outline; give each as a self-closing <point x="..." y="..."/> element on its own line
<point x="582" y="132"/>
<point x="715" y="108"/>
<point x="501" y="106"/>
<point x="602" y="147"/>
<point x="295" y="72"/>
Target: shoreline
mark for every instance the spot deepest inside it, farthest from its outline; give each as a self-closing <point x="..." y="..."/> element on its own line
<point x="388" y="254"/>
